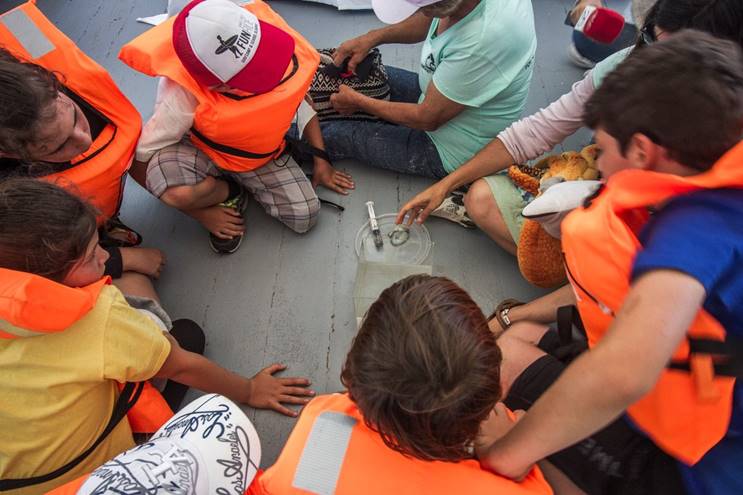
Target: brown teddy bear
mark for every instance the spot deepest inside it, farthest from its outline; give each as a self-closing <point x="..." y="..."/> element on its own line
<point x="539" y="253"/>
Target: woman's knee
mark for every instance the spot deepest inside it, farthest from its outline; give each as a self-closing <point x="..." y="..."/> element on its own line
<point x="480" y="202"/>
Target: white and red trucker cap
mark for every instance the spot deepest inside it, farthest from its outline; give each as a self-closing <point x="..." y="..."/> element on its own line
<point x="219" y="42"/>
<point x="394" y="11"/>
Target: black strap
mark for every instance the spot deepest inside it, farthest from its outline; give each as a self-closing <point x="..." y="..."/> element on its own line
<point x="127" y="398"/>
<point x="728" y="355"/>
<point x="223" y="148"/>
<point x="567" y="318"/>
<point x="296" y="146"/>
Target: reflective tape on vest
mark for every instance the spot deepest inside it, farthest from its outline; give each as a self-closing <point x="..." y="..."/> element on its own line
<point x="33" y="40"/>
<point x="320" y="465"/>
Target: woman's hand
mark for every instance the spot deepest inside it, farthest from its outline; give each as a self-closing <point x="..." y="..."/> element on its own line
<point x="327" y="176"/>
<point x="418" y="208"/>
<point x="266" y="391"/>
<point x="345" y="101"/>
<point x="355" y="49"/>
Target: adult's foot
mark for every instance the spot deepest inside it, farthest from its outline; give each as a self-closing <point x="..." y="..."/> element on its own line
<point x="147" y="261"/>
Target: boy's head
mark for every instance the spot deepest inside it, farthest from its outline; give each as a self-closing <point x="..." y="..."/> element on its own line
<point x="222" y="44"/>
<point x="675" y="106"/>
<point x="424" y="368"/>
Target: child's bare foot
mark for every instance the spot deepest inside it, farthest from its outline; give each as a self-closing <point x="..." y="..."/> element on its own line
<point x="221" y="221"/>
<point x="147" y="261"/>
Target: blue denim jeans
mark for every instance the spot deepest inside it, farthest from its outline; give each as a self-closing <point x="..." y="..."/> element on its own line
<point x="381" y="144"/>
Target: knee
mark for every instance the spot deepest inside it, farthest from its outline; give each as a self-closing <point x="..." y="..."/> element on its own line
<point x="181" y="197"/>
<point x="306" y="215"/>
<point x="479" y="201"/>
<point x="189" y="335"/>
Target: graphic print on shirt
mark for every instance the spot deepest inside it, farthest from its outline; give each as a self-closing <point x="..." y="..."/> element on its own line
<point x="429" y="65"/>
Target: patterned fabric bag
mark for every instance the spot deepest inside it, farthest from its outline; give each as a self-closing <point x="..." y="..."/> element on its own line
<point x="370" y="79"/>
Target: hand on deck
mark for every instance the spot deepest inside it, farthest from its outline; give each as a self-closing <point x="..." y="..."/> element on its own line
<point x="327" y="176"/>
<point x="418" y="208"/>
<point x="269" y="392"/>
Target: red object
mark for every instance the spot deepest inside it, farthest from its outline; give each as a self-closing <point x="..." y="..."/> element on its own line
<point x="261" y="74"/>
<point x="600" y="24"/>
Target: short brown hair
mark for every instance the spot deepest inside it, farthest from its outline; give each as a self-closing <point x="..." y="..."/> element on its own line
<point x="685" y="93"/>
<point x="44" y="229"/>
<point x="424" y="368"/>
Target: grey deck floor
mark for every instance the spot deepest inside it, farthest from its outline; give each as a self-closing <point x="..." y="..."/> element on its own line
<point x="285" y="297"/>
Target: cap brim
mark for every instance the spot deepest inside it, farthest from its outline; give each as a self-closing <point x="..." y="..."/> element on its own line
<point x="268" y="66"/>
<point x="393" y="11"/>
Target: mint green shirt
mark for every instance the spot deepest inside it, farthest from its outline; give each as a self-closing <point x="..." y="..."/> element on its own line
<point x="484" y="62"/>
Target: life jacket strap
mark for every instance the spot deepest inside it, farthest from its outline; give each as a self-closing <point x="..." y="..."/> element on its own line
<point x="725" y="357"/>
<point x="127" y="398"/>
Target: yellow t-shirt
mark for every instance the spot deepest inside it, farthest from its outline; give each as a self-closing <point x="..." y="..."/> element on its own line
<point x="57" y="391"/>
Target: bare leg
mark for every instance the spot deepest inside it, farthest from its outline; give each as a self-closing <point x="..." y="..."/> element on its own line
<point x="138" y="172"/>
<point x="201" y="202"/>
<point x="208" y="192"/>
<point x="484" y="211"/>
<point x="136" y="284"/>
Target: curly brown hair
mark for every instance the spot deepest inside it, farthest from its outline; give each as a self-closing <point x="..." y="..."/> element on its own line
<point x="424" y="369"/>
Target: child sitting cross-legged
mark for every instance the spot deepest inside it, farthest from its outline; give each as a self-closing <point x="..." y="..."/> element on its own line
<point x="423" y="375"/>
<point x="68" y="337"/>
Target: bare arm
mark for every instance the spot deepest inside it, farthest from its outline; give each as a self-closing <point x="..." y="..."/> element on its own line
<point x="262" y="391"/>
<point x="524" y="140"/>
<point x="596" y="388"/>
<point x="433" y="112"/>
<point x="323" y="173"/>
<point x="411" y="30"/>
<point x="540" y="310"/>
<point x="489" y="160"/>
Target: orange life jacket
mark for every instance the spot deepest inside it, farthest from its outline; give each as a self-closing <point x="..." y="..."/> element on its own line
<point x="31" y="305"/>
<point x="686" y="413"/>
<point x="331" y="450"/>
<point x="238" y="133"/>
<point x="98" y="174"/>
